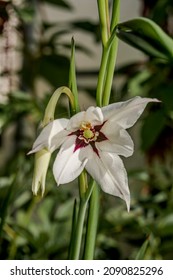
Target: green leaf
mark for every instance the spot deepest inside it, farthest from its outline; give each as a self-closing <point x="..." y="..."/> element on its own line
<point x="152" y="127"/>
<point x="142" y="251"/>
<point x="72" y="76"/>
<point x="165" y="225"/>
<point x="164" y="93"/>
<point x="138" y="84"/>
<point x="147" y="36"/>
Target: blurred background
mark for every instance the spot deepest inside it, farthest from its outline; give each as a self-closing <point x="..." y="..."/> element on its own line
<point x="35" y="41"/>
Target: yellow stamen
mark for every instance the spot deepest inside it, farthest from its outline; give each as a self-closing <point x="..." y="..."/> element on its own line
<point x="85" y="125"/>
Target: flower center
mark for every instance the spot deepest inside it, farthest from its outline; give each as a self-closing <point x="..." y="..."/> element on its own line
<point x="88" y="135"/>
<point x="87" y="132"/>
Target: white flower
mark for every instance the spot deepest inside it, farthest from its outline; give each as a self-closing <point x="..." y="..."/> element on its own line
<point x="94" y="140"/>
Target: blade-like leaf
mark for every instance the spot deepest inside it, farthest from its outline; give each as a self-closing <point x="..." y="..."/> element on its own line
<point x="146" y="35"/>
<point x="72" y="76"/>
<point x="141" y="253"/>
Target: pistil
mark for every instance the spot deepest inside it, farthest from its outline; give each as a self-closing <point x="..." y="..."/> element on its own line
<point x="87" y="132"/>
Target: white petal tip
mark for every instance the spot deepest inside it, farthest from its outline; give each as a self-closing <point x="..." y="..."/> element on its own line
<point x="128" y="208"/>
<point x="127" y="201"/>
<point x="156" y="100"/>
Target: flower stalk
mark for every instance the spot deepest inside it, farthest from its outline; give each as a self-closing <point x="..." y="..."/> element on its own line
<point x="103" y="10"/>
<point x="75" y="255"/>
<point x="92" y="223"/>
<point x="78" y="223"/>
<point x="50" y="109"/>
<point x="112" y="54"/>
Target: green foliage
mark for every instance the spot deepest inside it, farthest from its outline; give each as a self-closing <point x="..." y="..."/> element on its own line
<point x="40" y="228"/>
<point x="146" y="35"/>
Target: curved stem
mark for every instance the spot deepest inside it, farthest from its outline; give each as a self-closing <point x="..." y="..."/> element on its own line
<point x="50" y="109"/>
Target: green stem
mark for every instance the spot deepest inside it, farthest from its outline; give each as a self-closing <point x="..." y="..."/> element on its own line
<point x="83" y="184"/>
<point x="110" y="44"/>
<point x="92" y="224"/>
<point x="112" y="55"/>
<point x="103" y="17"/>
<point x="115" y="14"/>
<point x="103" y="9"/>
<point x="107" y="19"/>
<point x="102" y="98"/>
<point x="101" y="77"/>
<point x="78" y="225"/>
<point x="78" y="232"/>
<point x="110" y="72"/>
<point x="51" y="106"/>
<point x="75" y="255"/>
<point x="72" y="237"/>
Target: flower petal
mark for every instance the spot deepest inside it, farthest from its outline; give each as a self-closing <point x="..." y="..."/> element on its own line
<point x="92" y="114"/>
<point x="69" y="164"/>
<point x="42" y="159"/>
<point x="51" y="137"/>
<point x="118" y="140"/>
<point x="126" y="113"/>
<point x="108" y="170"/>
